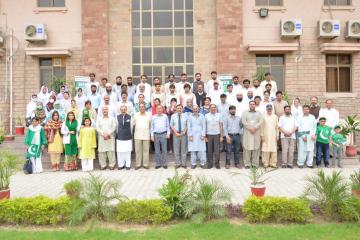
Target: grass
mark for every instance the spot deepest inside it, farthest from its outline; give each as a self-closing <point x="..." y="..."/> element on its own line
<point x="214" y="230"/>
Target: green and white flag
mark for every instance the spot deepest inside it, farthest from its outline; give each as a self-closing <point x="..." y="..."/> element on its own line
<point x="33" y="150"/>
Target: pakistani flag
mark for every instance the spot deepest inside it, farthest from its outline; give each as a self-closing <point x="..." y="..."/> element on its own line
<point x="33" y="151"/>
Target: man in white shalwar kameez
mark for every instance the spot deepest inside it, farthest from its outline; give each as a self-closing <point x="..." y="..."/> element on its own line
<point x="306" y="138"/>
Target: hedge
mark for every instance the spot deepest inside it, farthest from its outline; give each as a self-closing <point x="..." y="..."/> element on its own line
<point x="143" y="211"/>
<point x="38" y="210"/>
<point x="277" y="209"/>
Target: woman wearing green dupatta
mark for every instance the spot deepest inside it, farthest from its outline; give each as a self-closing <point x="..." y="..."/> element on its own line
<point x="70" y="131"/>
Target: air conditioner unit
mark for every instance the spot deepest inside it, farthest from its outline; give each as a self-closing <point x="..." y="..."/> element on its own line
<point x="353" y="29"/>
<point x="291" y="27"/>
<point x="329" y="28"/>
<point x="35" y="33"/>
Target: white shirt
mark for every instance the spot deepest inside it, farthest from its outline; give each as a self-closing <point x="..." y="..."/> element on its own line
<point x="237" y="88"/>
<point x="244" y="91"/>
<point x="88" y="86"/>
<point x="147" y="91"/>
<point x="168" y="98"/>
<point x="331" y="115"/>
<point x="210" y="85"/>
<point x="231" y="98"/>
<point x="259" y="91"/>
<point x="112" y="95"/>
<point x="240" y="108"/>
<point x="167" y="87"/>
<point x="80" y="101"/>
<point x="307" y="123"/>
<point x="180" y="87"/>
<point x="297" y="112"/>
<point x="129" y="105"/>
<point x="273" y="85"/>
<point x="215" y="95"/>
<point x="288" y="124"/>
<point x="112" y="111"/>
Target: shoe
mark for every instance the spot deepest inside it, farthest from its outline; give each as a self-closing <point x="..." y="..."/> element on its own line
<point x="177" y="166"/>
<point x="273" y="166"/>
<point x="289" y="166"/>
<point x="339" y="166"/>
<point x="121" y="168"/>
<point x="184" y="166"/>
<point x="227" y="166"/>
<point x="247" y="167"/>
<point x="111" y="168"/>
<point x="218" y="167"/>
<point x="301" y="166"/>
<point x="283" y="166"/>
<point x="202" y="166"/>
<point x="327" y="166"/>
<point x="137" y="168"/>
<point x="193" y="166"/>
<point x="310" y="166"/>
<point x="265" y="166"/>
<point x="103" y="168"/>
<point x="165" y="167"/>
<point x="237" y="165"/>
<point x="146" y="167"/>
<point x="128" y="168"/>
<point x="157" y="167"/>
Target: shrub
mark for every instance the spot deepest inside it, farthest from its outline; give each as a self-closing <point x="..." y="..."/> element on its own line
<point x="206" y="200"/>
<point x="95" y="200"/>
<point x="8" y="166"/>
<point x="277" y="209"/>
<point x="355" y="180"/>
<point x="351" y="210"/>
<point x="143" y="211"/>
<point x="174" y="191"/>
<point x="330" y="194"/>
<point x="37" y="210"/>
<point x="73" y="188"/>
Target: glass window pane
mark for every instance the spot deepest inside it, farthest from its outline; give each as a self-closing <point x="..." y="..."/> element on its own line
<point x="190" y="70"/>
<point x="277" y="60"/>
<point x="179" y="55"/>
<point x="163" y="55"/>
<point x="178" y="71"/>
<point x="331" y="59"/>
<point x="179" y="19"/>
<point x="59" y="3"/>
<point x="189" y="37"/>
<point x="169" y="70"/>
<point x="44" y="3"/>
<point x="46" y="76"/>
<point x="59" y="72"/>
<point x="136" y="55"/>
<point x="146" y="20"/>
<point x="277" y="74"/>
<point x="344" y="59"/>
<point x="189" y="19"/>
<point x="145" y="4"/>
<point x="146" y="38"/>
<point x="146" y="55"/>
<point x="135" y="20"/>
<point x="179" y="37"/>
<point x="45" y="62"/>
<point x="189" y="54"/>
<point x="162" y="19"/>
<point x="275" y="2"/>
<point x="157" y="71"/>
<point x="261" y="2"/>
<point x="135" y="4"/>
<point x="163" y="38"/>
<point x="262" y="60"/>
<point x="136" y="38"/>
<point x="136" y="70"/>
<point x="189" y="4"/>
<point x="162" y="4"/>
<point x="331" y="79"/>
<point x="178" y="4"/>
<point x="147" y="71"/>
<point x="344" y="79"/>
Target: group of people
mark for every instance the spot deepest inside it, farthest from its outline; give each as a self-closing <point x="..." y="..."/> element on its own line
<point x="200" y="118"/>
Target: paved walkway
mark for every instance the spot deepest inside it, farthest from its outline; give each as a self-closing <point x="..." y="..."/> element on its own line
<point x="143" y="184"/>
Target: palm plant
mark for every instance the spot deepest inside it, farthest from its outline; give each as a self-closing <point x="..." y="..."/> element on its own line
<point x="207" y="200"/>
<point x="174" y="191"/>
<point x="8" y="165"/>
<point x="96" y="199"/>
<point x="260" y="74"/>
<point x="330" y="193"/>
<point x="350" y="127"/>
<point x="355" y="180"/>
<point x="257" y="175"/>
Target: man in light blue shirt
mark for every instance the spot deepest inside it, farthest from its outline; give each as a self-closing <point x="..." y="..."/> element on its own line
<point x="179" y="127"/>
<point x="160" y="132"/>
<point x="94" y="97"/>
<point x="214" y="134"/>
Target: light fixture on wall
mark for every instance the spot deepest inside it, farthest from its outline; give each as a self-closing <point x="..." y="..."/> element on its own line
<point x="263" y="12"/>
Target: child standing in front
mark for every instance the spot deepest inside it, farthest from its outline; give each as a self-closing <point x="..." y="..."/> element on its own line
<point x="323" y="134"/>
<point x="35" y="140"/>
<point x="87" y="145"/>
<point x="337" y="140"/>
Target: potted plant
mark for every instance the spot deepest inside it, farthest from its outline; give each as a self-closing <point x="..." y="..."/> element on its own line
<point x="349" y="128"/>
<point x="19" y="126"/>
<point x="8" y="166"/>
<point x="73" y="188"/>
<point x="355" y="182"/>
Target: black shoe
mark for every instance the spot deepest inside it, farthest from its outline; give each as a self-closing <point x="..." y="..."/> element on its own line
<point x="217" y="167"/>
<point x="289" y="166"/>
<point x="157" y="167"/>
<point x="202" y="166"/>
<point x="209" y="167"/>
<point x="247" y="167"/>
<point x="283" y="166"/>
<point x="184" y="166"/>
<point x="301" y="166"/>
<point x="127" y="168"/>
<point x="165" y="167"/>
<point x="177" y="166"/>
<point x="121" y="168"/>
<point x="327" y="166"/>
<point x="310" y="166"/>
<point x="193" y="166"/>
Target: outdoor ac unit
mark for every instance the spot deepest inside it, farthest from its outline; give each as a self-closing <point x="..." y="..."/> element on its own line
<point x="35" y="32"/>
<point x="352" y="29"/>
<point x="291" y="27"/>
<point x="329" y="28"/>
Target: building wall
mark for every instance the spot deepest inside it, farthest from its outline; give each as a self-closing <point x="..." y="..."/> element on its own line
<point x="307" y="77"/>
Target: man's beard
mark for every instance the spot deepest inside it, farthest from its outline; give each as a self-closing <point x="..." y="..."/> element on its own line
<point x="108" y="92"/>
<point x="129" y="84"/>
<point x="239" y="99"/>
<point x="118" y="83"/>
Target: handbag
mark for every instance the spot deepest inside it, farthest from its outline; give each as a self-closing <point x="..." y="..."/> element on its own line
<point x="28" y="167"/>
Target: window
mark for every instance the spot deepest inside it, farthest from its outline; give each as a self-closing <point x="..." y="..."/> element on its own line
<point x="51" y="68"/>
<point x="338" y="73"/>
<point x="273" y="64"/>
<point x="51" y="3"/>
<point x="337" y="2"/>
<point x="162" y="38"/>
<point x="269" y="2"/>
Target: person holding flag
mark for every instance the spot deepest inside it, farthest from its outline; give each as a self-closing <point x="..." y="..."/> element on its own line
<point x="35" y="141"/>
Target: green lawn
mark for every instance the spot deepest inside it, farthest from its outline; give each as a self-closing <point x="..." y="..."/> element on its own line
<point x="218" y="230"/>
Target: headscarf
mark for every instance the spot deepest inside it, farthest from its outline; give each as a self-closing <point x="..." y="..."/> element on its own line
<point x="43" y="97"/>
<point x="31" y="106"/>
<point x="58" y="108"/>
<point x="52" y="123"/>
<point x="40" y="112"/>
<point x="50" y="105"/>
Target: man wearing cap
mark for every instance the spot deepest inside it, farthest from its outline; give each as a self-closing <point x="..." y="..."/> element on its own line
<point x="269" y="138"/>
<point x="306" y="138"/>
<point x="252" y="121"/>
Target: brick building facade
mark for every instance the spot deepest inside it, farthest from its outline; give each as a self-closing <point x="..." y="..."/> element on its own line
<point x="224" y="35"/>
